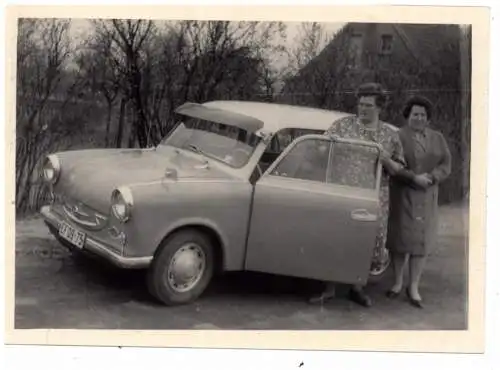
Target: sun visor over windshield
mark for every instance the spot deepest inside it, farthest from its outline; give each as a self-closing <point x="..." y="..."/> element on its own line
<point x="220" y="116"/>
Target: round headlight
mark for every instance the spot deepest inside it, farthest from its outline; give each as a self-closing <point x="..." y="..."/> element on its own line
<point x="122" y="203"/>
<point x="51" y="169"/>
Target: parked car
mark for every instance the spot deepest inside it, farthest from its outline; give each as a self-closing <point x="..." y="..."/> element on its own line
<point x="235" y="186"/>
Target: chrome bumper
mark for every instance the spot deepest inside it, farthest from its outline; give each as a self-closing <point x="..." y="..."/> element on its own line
<point x="98" y="248"/>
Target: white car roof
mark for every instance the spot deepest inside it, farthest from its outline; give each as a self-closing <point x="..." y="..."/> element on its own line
<point x="276" y="117"/>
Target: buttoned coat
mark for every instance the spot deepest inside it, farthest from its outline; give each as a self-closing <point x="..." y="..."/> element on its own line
<point x="413" y="215"/>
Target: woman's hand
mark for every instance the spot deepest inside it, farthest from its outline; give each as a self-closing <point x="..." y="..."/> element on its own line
<point x="423" y="180"/>
<point x="385" y="155"/>
<point x="385" y="158"/>
<point x="389" y="164"/>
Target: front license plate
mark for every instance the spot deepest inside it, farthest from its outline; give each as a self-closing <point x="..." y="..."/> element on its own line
<point x="72" y="235"/>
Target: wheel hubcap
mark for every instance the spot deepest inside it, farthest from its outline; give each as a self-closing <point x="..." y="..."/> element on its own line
<point x="186" y="267"/>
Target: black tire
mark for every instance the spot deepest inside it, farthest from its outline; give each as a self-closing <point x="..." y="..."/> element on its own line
<point x="159" y="285"/>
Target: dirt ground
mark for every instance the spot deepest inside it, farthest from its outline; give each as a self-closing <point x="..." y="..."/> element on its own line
<point x="54" y="290"/>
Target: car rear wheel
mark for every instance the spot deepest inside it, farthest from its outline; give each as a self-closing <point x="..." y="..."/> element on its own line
<point x="182" y="269"/>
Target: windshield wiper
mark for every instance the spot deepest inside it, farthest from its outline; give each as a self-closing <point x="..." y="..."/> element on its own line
<point x="195" y="149"/>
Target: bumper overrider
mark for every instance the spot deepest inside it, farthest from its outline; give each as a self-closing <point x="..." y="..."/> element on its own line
<point x="94" y="246"/>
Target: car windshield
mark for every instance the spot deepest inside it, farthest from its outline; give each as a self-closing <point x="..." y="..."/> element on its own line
<point x="228" y="144"/>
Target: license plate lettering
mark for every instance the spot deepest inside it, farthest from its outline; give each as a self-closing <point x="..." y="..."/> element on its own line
<point x="72" y="235"/>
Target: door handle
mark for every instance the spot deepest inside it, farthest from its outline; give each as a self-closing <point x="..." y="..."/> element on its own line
<point x="363" y="215"/>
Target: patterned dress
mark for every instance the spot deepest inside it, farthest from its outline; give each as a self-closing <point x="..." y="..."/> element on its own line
<point x="355" y="172"/>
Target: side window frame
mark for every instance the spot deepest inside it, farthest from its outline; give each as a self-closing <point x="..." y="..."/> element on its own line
<point x="332" y="141"/>
<point x="289" y="148"/>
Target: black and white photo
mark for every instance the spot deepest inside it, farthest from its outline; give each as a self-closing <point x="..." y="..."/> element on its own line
<point x="219" y="175"/>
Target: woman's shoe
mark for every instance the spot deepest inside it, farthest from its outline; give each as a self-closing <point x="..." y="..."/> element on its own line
<point x="414" y="302"/>
<point x="359" y="297"/>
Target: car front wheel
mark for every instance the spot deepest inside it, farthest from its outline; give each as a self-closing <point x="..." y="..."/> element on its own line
<point x="182" y="269"/>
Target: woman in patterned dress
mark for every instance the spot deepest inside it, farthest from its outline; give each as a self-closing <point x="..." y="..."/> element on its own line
<point x="367" y="126"/>
<point x="414" y="197"/>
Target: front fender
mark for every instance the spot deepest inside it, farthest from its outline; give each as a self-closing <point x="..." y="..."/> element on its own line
<point x="163" y="207"/>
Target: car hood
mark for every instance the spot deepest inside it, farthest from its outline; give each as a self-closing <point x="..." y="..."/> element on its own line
<point x="90" y="176"/>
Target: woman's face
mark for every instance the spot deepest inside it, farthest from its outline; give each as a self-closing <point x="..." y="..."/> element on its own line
<point x="417" y="119"/>
<point x="368" y="111"/>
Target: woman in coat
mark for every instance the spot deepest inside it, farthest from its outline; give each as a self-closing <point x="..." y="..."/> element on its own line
<point x="412" y="225"/>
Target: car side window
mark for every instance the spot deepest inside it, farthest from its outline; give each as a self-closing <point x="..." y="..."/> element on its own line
<point x="353" y="165"/>
<point x="306" y="160"/>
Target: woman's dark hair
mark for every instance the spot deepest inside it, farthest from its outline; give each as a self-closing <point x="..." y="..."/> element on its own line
<point x="419" y="101"/>
<point x="372" y="89"/>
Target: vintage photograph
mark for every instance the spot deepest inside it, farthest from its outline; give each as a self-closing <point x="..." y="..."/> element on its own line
<point x="241" y="175"/>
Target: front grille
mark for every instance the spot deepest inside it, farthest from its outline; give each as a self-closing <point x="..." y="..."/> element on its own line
<point x="83" y="215"/>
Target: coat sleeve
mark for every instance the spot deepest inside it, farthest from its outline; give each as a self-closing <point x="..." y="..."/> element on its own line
<point x="406" y="177"/>
<point x="403" y="175"/>
<point x="443" y="169"/>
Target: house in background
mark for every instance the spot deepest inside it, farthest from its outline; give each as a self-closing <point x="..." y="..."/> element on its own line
<point x="429" y="59"/>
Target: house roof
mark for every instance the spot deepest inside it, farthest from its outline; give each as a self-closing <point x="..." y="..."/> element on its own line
<point x="427" y="41"/>
<point x="429" y="44"/>
<point x="276" y="117"/>
<point x="424" y="41"/>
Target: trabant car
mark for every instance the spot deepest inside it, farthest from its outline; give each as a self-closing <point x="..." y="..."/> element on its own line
<point x="234" y="186"/>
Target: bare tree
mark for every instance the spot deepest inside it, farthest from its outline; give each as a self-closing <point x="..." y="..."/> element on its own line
<point x="127" y="40"/>
<point x="310" y="41"/>
<point x="313" y="67"/>
<point x="43" y="49"/>
<point x="209" y="50"/>
<point x="158" y="68"/>
<point x="99" y="76"/>
<point x="200" y="61"/>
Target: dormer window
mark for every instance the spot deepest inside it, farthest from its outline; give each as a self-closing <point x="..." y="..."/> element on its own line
<point x="386" y="42"/>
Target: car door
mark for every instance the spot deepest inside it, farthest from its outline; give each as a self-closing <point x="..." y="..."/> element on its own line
<point x="313" y="216"/>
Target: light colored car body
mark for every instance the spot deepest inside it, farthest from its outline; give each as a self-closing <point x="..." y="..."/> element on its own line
<point x="277" y="225"/>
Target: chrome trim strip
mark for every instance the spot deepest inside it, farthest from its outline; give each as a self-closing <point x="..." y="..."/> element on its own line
<point x="74" y="209"/>
<point x="98" y="248"/>
<point x="77" y="220"/>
